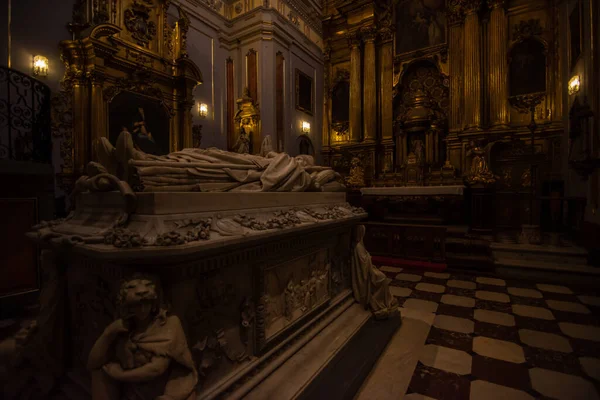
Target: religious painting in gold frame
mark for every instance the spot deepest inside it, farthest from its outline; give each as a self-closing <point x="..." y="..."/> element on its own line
<point x="305" y="95"/>
<point x="145" y="118"/>
<point x="420" y="26"/>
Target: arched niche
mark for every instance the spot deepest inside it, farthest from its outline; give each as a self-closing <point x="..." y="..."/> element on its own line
<point x="305" y="145"/>
<point x="527" y="67"/>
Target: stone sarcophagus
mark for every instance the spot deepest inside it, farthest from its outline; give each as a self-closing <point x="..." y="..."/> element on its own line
<point x="249" y="275"/>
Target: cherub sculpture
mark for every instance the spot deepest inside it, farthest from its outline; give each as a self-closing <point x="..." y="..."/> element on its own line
<point x="143" y="354"/>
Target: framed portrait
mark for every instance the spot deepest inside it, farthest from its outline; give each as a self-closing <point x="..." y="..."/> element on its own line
<point x="575" y="33"/>
<point x="304" y="92"/>
<point x="420" y="24"/>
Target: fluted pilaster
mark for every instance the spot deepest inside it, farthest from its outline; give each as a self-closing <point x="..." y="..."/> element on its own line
<point x="386" y="97"/>
<point x="355" y="88"/>
<point x="456" y="56"/>
<point x="498" y="77"/>
<point x="472" y="69"/>
<point x="369" y="87"/>
<point x="386" y="83"/>
<point x="326" y="136"/>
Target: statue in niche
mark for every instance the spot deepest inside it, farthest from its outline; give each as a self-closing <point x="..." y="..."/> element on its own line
<point x="479" y="172"/>
<point x="370" y="286"/>
<point x="212" y="169"/>
<point x="143" y="354"/>
<point x="417" y="150"/>
<point x="357" y="174"/>
<point x="242" y="145"/>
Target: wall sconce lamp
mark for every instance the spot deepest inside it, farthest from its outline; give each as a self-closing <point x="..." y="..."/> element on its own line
<point x="40" y="66"/>
<point x="305" y="126"/>
<point x="202" y="110"/>
<point x="574" y="85"/>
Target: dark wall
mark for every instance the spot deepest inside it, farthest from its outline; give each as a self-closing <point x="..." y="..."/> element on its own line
<point x="37" y="27"/>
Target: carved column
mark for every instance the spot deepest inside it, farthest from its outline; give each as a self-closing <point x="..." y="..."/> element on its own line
<point x="98" y="111"/>
<point x="497" y="77"/>
<point x="472" y="70"/>
<point x="456" y="56"/>
<point x="326" y="99"/>
<point x="370" y="87"/>
<point x="355" y="88"/>
<point x="386" y="97"/>
<point x="81" y="139"/>
<point x="230" y="104"/>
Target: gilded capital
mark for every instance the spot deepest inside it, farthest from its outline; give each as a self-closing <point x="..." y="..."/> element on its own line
<point x="471" y="6"/>
<point x="353" y="39"/>
<point x="496" y="4"/>
<point x="368" y="34"/>
<point x="386" y="34"/>
<point x="455" y="12"/>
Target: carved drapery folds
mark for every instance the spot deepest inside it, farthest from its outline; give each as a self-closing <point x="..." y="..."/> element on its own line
<point x="136" y="52"/>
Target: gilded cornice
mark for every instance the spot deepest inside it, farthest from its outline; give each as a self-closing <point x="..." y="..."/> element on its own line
<point x="471" y="6"/>
<point x="353" y="38"/>
<point x="455" y="12"/>
<point x="368" y="33"/>
<point x="384" y="21"/>
<point x="312" y="17"/>
<point x="492" y="4"/>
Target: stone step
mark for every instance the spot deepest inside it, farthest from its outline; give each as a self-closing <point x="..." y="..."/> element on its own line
<point x="469" y="261"/>
<point x="467" y="246"/>
<point x="550" y="254"/>
<point x="459" y="231"/>
<point x="543" y="265"/>
<point x="340" y="356"/>
<point x="541" y="271"/>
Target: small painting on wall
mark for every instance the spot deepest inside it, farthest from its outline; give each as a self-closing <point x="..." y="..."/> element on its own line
<point x="420" y="24"/>
<point x="304" y="92"/>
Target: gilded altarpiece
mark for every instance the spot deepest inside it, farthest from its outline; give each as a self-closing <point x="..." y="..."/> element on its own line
<point x="123" y="46"/>
<point x="470" y="43"/>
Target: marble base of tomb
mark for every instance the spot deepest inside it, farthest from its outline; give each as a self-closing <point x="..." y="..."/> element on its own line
<point x="263" y="285"/>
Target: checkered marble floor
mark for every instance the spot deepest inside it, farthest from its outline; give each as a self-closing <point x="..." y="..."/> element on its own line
<point x="496" y="339"/>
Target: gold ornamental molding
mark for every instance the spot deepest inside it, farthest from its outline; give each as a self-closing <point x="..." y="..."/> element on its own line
<point x="455" y="12"/>
<point x="471" y="6"/>
<point x="496" y="4"/>
<point x="129" y="48"/>
<point x="527" y="29"/>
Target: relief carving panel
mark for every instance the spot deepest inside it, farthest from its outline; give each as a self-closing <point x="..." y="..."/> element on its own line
<point x="294" y="289"/>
